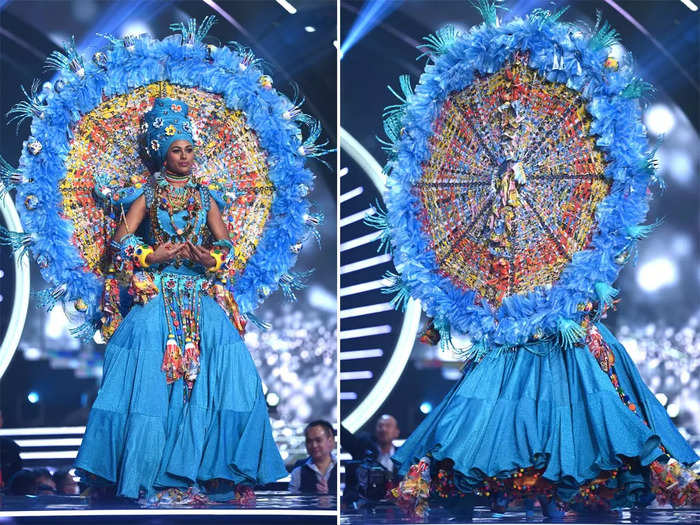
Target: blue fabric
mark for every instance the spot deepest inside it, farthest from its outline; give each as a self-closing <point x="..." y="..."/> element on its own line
<point x="142" y="435"/>
<point x="546" y="407"/>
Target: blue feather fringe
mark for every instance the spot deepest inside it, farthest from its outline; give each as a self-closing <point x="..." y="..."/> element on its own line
<point x="19" y="242"/>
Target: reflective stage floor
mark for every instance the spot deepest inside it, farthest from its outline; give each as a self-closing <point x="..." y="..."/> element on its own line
<point x="385" y="514"/>
<point x="269" y="507"/>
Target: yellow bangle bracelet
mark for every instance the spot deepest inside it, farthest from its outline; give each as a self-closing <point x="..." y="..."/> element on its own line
<point x="218" y="256"/>
<point x="141" y="253"/>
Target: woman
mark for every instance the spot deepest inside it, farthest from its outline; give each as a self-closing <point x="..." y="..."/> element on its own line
<point x="509" y="219"/>
<point x="181" y="404"/>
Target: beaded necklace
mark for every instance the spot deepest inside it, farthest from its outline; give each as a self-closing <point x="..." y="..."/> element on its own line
<point x="173" y="199"/>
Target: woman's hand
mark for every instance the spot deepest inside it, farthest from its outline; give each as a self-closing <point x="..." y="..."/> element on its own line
<point x="165" y="252"/>
<point x="200" y="255"/>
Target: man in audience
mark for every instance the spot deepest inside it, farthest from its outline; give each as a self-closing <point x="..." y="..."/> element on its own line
<point x="65" y="484"/>
<point x="318" y="474"/>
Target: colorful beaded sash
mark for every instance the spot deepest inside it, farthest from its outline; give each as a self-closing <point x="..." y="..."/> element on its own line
<point x="183" y="303"/>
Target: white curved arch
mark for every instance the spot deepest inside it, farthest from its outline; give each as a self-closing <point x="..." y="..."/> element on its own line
<point x="411" y="321"/>
<point x="18" y="316"/>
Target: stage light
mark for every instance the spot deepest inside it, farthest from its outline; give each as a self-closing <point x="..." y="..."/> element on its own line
<point x="680" y="166"/>
<point x="32" y="353"/>
<point x="364" y="287"/>
<point x="681" y="245"/>
<point x="632" y="346"/>
<point x="272" y="399"/>
<point x="348" y="396"/>
<point x="690" y="5"/>
<point x="56" y="323"/>
<point x="350" y="194"/>
<point x="357" y="374"/>
<point x="659" y="119"/>
<point x="663" y="399"/>
<point x="673" y="410"/>
<point x="365" y="263"/>
<point x="135" y="28"/>
<point x="41" y="431"/>
<point x="287" y="6"/>
<point x="33" y="397"/>
<point x="360" y="241"/>
<point x="366" y="310"/>
<point x="656" y="274"/>
<point x="320" y="298"/>
<point x="361" y="354"/>
<point x="354" y="217"/>
<point x="365" y="332"/>
<point x="310" y="29"/>
<point x="371" y="15"/>
<point x="426" y="407"/>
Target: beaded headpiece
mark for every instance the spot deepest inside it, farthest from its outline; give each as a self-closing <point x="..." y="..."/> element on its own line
<point x="163" y="125"/>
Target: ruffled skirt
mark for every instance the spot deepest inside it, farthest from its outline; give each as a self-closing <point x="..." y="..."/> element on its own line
<point x="556" y="417"/>
<point x="143" y="436"/>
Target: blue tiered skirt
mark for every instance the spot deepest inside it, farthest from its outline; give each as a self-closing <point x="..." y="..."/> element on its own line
<point x="551" y="409"/>
<point x="143" y="436"/>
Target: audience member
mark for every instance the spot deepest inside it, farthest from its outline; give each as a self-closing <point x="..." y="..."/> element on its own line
<point x="379" y="447"/>
<point x="22" y="483"/>
<point x="386" y="431"/>
<point x="44" y="482"/>
<point x="318" y="474"/>
<point x="65" y="484"/>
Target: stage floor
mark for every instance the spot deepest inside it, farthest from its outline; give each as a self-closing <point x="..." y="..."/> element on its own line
<point x="270" y="507"/>
<point x="390" y="514"/>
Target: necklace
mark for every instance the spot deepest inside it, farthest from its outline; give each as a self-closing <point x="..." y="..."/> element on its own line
<point x="174" y="199"/>
<point x="171" y="176"/>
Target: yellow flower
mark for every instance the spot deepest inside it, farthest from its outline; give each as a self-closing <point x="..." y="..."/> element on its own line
<point x="170" y="130"/>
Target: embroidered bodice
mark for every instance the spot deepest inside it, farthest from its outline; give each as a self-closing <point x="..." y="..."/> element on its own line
<point x="176" y="214"/>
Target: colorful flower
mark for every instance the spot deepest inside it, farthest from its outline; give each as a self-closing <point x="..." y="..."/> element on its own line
<point x="170" y="130"/>
<point x="176" y="107"/>
<point x="155" y="145"/>
<point x="144" y="127"/>
<point x="186" y="126"/>
<point x="158" y="122"/>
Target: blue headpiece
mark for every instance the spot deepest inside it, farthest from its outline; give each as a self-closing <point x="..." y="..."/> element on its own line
<point x="163" y="125"/>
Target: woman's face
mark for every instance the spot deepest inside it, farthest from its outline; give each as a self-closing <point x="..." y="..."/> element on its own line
<point x="180" y="157"/>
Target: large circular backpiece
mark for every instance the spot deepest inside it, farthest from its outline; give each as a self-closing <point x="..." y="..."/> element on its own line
<point x="518" y="176"/>
<point x="511" y="187"/>
<point x="83" y="163"/>
<point x="105" y="151"/>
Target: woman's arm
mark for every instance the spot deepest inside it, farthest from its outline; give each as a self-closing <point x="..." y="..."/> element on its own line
<point x="133" y="218"/>
<point x="215" y="222"/>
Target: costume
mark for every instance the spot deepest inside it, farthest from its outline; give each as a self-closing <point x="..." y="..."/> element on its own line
<point x="181" y="405"/>
<point x="518" y="174"/>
